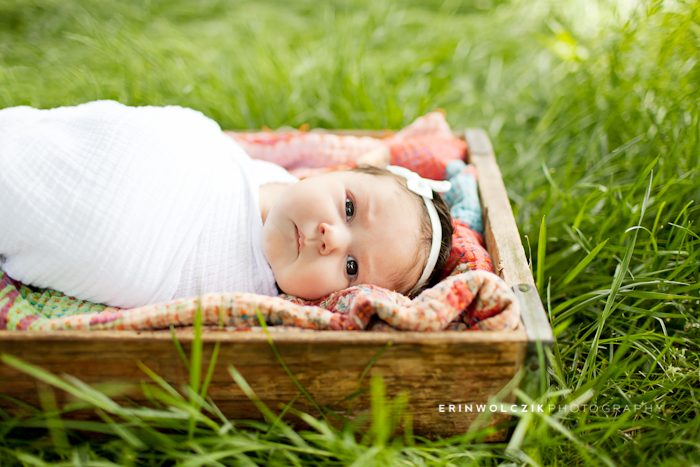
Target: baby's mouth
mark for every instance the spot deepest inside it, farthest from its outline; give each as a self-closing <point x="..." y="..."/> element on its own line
<point x="300" y="239"/>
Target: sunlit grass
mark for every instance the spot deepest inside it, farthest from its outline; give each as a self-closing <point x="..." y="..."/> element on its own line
<point x="593" y="108"/>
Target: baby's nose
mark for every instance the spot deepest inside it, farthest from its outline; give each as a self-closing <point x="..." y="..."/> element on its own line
<point x="332" y="238"/>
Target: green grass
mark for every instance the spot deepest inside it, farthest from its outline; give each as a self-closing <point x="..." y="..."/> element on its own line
<point x="594" y="111"/>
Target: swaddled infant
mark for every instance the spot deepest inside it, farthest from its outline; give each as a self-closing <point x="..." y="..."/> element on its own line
<point x="132" y="206"/>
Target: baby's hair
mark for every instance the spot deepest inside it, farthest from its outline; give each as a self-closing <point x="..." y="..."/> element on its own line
<point x="426" y="234"/>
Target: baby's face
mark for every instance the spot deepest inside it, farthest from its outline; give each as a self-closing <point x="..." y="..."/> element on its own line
<point x="332" y="231"/>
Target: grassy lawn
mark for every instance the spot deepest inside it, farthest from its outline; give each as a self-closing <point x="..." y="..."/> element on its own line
<point x="594" y="111"/>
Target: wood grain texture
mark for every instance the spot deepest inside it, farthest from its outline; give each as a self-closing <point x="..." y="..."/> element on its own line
<point x="500" y="231"/>
<point x="503" y="239"/>
<point x="533" y="316"/>
<point x="433" y="373"/>
<point x="434" y="368"/>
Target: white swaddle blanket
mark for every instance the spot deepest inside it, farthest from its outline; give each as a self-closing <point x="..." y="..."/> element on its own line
<point x="128" y="206"/>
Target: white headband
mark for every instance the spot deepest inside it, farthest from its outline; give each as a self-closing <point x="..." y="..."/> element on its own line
<point x="424" y="188"/>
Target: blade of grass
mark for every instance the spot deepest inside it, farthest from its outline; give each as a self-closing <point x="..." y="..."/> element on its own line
<point x="196" y="363"/>
<point x="583" y="263"/>
<point x="262" y="322"/>
<point x="267" y="413"/>
<point x="620" y="273"/>
<point x="358" y="391"/>
<point x="180" y="350"/>
<point x="53" y="420"/>
<point x="541" y="249"/>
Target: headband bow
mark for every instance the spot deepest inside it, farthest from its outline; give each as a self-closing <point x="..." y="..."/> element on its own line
<point x="419" y="185"/>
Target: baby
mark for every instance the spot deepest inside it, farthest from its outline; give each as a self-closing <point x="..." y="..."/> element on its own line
<point x="131" y="206"/>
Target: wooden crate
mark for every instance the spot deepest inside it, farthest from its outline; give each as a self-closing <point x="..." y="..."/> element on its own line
<point x="435" y="368"/>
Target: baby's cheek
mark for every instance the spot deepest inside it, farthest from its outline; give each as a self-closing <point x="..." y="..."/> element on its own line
<point x="315" y="281"/>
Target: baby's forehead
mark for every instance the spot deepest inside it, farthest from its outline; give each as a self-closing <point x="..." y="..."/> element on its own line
<point x="399" y="238"/>
<point x="381" y="182"/>
<point x="388" y="191"/>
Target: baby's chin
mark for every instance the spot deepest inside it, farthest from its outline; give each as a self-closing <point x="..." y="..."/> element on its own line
<point x="301" y="292"/>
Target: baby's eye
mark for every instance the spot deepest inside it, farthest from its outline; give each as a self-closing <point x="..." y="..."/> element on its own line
<point x="349" y="209"/>
<point x="351" y="266"/>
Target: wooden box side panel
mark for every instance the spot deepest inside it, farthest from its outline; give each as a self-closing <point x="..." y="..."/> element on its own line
<point x="500" y="230"/>
<point x="467" y="373"/>
<point x="503" y="240"/>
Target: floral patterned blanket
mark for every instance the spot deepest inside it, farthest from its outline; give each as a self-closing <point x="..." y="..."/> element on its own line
<point x="470" y="300"/>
